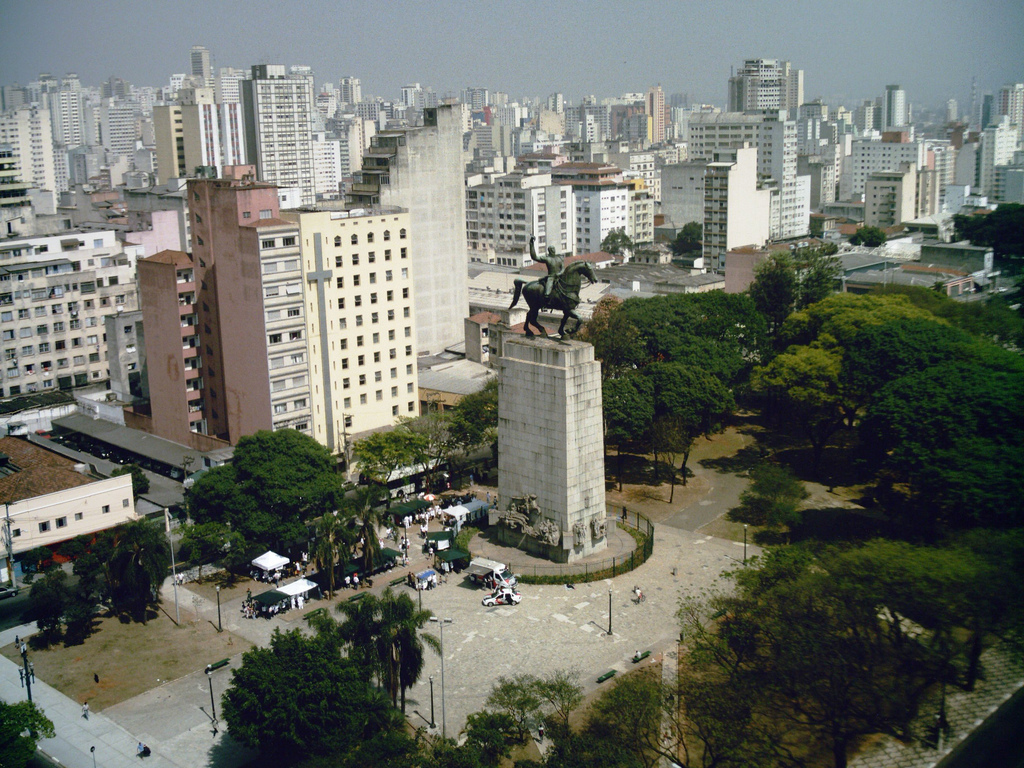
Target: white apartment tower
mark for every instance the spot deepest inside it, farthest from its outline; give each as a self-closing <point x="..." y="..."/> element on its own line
<point x="197" y="132"/>
<point x="894" y="108"/>
<point x="279" y="128"/>
<point x="502" y="214"/>
<point x="766" y="84"/>
<point x="736" y="211"/>
<point x="1010" y="102"/>
<point x="27" y="131"/>
<point x="420" y="169"/>
<point x="351" y="90"/>
<point x="228" y="86"/>
<point x="655" y="104"/>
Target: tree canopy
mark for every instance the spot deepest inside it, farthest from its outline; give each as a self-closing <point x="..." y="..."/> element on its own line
<point x="22" y="725"/>
<point x="872" y="237"/>
<point x="140" y="482"/>
<point x="299" y="698"/>
<point x="616" y="242"/>
<point x="689" y="239"/>
<point x="1001" y="229"/>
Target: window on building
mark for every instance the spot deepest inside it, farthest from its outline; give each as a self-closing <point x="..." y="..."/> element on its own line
<point x="62" y="522"/>
<point x="78" y="516"/>
<point x="106" y="509"/>
<point x="124" y="503"/>
<point x="275" y="338"/>
<point x="387" y="234"/>
<point x="369" y="237"/>
<point x="265" y="213"/>
<point x="269" y="243"/>
<point x="337" y="242"/>
<point x="347" y="403"/>
<point x="355" y="240"/>
<point x="355" y="279"/>
<point x="371" y="257"/>
<point x="287" y="241"/>
<point x="387" y="255"/>
<point x="44" y="526"/>
<point x="401" y="234"/>
<point x="362" y="399"/>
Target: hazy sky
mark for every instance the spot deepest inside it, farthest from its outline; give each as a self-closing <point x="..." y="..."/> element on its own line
<point x="848" y="50"/>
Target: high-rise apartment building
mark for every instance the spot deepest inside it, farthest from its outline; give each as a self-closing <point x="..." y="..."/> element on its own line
<point x="764" y="84"/>
<point x="894" y="108"/>
<point x="420" y="169"/>
<point x="225" y="325"/>
<point x="889" y="196"/>
<point x="326" y="164"/>
<point x="875" y="155"/>
<point x="200" y="68"/>
<point x="775" y="138"/>
<point x="997" y="145"/>
<point x="655" y="105"/>
<point x="197" y="132"/>
<point x="736" y="210"/>
<point x="1010" y="102"/>
<point x="360" y="319"/>
<point x="119" y="126"/>
<point x="228" y="85"/>
<point x="279" y="128"/>
<point x="351" y="90"/>
<point x="56" y="291"/>
<point x="27" y="131"/>
<point x="502" y="214"/>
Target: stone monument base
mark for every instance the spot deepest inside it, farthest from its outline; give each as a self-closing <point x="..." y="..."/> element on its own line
<point x="551" y="449"/>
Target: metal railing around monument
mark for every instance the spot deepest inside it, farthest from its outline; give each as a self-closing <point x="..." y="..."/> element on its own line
<point x="639" y="528"/>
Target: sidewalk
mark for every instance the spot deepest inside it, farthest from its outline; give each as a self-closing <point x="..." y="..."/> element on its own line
<point x="115" y="747"/>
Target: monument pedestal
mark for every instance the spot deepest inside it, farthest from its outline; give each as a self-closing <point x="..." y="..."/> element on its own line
<point x="551" y="446"/>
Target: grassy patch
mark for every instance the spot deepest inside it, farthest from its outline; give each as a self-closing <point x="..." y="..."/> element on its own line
<point x="130" y="659"/>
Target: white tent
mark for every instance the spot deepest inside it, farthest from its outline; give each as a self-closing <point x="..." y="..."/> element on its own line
<point x="299" y="587"/>
<point x="270" y="561"/>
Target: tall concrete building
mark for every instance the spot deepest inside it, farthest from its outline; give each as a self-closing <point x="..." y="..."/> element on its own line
<point x="1010" y="102"/>
<point x="279" y="128"/>
<point x="655" y="104"/>
<point x="27" y="131"/>
<point x="764" y="84"/>
<point x="889" y="196"/>
<point x="225" y="328"/>
<point x="359" y="306"/>
<point x="997" y="146"/>
<point x="200" y="67"/>
<point x="228" y="85"/>
<point x="873" y="155"/>
<point x="736" y="210"/>
<point x="119" y="126"/>
<point x="197" y="132"/>
<point x="894" y="108"/>
<point x="351" y="90"/>
<point x="502" y="213"/>
<point x="775" y="137"/>
<point x="420" y="169"/>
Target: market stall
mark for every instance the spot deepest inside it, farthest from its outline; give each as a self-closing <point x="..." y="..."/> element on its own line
<point x="267" y="567"/>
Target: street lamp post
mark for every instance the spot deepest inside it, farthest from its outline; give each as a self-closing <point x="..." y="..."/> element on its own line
<point x="29" y="673"/>
<point x="609" y="611"/>
<point x="441" y="623"/>
<point x="432" y="724"/>
<point x="744" y="543"/>
<point x="174" y="567"/>
<point x="219" y="627"/>
<point x="213" y="705"/>
<point x="93" y="750"/>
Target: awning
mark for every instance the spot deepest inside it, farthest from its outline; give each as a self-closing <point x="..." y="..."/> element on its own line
<point x="390" y="554"/>
<point x="448" y="555"/>
<point x="426" y="574"/>
<point x="441" y="536"/>
<point x="269" y="598"/>
<point x="299" y="587"/>
<point x="270" y="561"/>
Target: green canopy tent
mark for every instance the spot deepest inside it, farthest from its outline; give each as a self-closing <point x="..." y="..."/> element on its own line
<point x="451" y="555"/>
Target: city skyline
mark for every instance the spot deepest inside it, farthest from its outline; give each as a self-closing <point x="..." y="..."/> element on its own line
<point x="525" y="52"/>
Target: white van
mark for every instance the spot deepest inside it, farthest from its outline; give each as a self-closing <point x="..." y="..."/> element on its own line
<point x="490" y="573"/>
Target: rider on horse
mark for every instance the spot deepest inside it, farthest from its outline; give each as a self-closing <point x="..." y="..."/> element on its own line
<point x="554" y="262"/>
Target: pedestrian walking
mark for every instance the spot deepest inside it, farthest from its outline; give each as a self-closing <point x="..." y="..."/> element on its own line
<point x="95" y="678"/>
<point x="85" y="710"/>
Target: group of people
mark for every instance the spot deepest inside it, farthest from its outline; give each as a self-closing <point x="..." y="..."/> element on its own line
<point x="430" y="582"/>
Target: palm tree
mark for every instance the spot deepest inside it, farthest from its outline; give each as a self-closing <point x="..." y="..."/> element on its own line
<point x="368" y="518"/>
<point x="138" y="564"/>
<point x="325" y="551"/>
<point x="383" y="635"/>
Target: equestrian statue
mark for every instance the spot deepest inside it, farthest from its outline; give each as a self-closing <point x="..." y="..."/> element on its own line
<point x="558" y="290"/>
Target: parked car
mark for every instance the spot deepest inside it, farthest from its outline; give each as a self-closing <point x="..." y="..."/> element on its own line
<point x="8" y="592"/>
<point x="502" y="595"/>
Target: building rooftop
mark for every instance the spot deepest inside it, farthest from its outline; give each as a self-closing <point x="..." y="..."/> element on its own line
<point x="30" y="471"/>
<point x="35" y="400"/>
<point x="459" y="377"/>
<point x="178" y="258"/>
<point x="131" y="440"/>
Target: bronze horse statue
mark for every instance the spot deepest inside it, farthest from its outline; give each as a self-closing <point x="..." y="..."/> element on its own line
<point x="565" y="296"/>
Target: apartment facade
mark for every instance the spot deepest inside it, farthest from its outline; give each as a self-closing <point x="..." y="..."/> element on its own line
<point x="874" y="155"/>
<point x="502" y="214"/>
<point x="361" y="313"/>
<point x="890" y="197"/>
<point x="279" y="128"/>
<point x="737" y="211"/>
<point x="420" y="169"/>
<point x="762" y="84"/>
<point x="55" y="292"/>
<point x="27" y="131"/>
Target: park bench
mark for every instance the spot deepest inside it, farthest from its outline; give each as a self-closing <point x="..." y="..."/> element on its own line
<point x="396" y="582"/>
<point x="640" y="656"/>
<point x="357" y="597"/>
<point x="217" y="665"/>
<point x="607" y="676"/>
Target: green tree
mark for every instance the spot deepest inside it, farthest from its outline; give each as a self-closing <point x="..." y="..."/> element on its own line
<point x="475" y="417"/>
<point x="818" y="271"/>
<point x="772" y="499"/>
<point x="806" y="379"/>
<point x="203" y="543"/>
<point x="872" y="237"/>
<point x="628" y="718"/>
<point x="140" y="482"/>
<point x="952" y="433"/>
<point x="628" y="411"/>
<point x="616" y="242"/>
<point x="138" y="565"/>
<point x="326" y="547"/>
<point x="22" y="725"/>
<point x="616" y="340"/>
<point x="382" y="454"/>
<point x="688" y="403"/>
<point x="298" y="698"/>
<point x="562" y="692"/>
<point x="516" y="697"/>
<point x="774" y="290"/>
<point x="1001" y="229"/>
<point x="439" y="440"/>
<point x="492" y="734"/>
<point x="384" y="636"/>
<point x="48" y="600"/>
<point x="689" y="239"/>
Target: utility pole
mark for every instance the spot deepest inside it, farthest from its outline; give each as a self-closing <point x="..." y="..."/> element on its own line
<point x="9" y="543"/>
